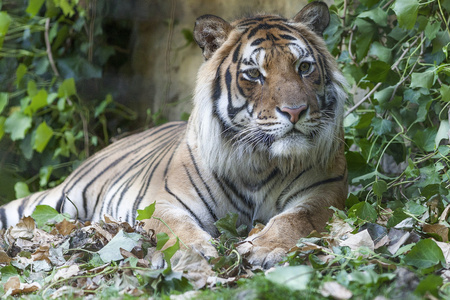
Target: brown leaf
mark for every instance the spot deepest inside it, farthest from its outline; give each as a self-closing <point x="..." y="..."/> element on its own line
<point x="258" y="228"/>
<point x="4" y="258"/>
<point x="65" y="227"/>
<point x="438" y="229"/>
<point x="24" y="229"/>
<point x="140" y="263"/>
<point x="14" y="287"/>
<point x="196" y="267"/>
<point x="42" y="253"/>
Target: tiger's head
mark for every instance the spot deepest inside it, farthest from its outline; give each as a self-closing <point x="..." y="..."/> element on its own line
<point x="268" y="89"/>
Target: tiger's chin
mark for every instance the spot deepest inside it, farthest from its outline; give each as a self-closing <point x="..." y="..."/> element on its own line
<point x="290" y="146"/>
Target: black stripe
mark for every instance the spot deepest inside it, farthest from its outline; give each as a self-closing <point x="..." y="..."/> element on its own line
<point x="208" y="189"/>
<point x="202" y="226"/>
<point x="288" y="37"/>
<point x="326" y="181"/>
<point x="236" y="53"/>
<point x="257" y="42"/>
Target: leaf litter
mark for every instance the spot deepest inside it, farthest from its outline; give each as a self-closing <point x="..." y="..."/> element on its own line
<point x="112" y="258"/>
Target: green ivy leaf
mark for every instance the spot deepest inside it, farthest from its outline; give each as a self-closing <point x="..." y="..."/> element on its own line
<point x="3" y="101"/>
<point x="379" y="187"/>
<point x="161" y="239"/>
<point x="432" y="29"/>
<point x="7" y="272"/>
<point x="378" y="71"/>
<point x="67" y="88"/>
<point x="382" y="126"/>
<point x="43" y="214"/>
<point x="17" y="125"/>
<point x="363" y="211"/>
<point x="406" y="11"/>
<point x="443" y="132"/>
<point x="293" y="277"/>
<point x="44" y="175"/>
<point x="43" y="135"/>
<point x="425" y="139"/>
<point x="425" y="254"/>
<point x="38" y="101"/>
<point x="382" y="53"/>
<point x="20" y="72"/>
<point x="34" y="6"/>
<point x="445" y="92"/>
<point x="425" y="79"/>
<point x="146" y="213"/>
<point x="398" y="216"/>
<point x="227" y="226"/>
<point x="2" y="126"/>
<point x="5" y="20"/>
<point x="21" y="189"/>
<point x="429" y="285"/>
<point x="170" y="251"/>
<point x="377" y="15"/>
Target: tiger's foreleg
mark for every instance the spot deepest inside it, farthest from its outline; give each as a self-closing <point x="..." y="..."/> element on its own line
<point x="282" y="232"/>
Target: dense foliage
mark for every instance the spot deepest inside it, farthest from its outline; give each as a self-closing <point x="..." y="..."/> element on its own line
<point x="47" y="50"/>
<point x="393" y="239"/>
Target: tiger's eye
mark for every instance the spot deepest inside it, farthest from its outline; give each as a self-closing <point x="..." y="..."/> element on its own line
<point x="304" y="67"/>
<point x="253" y="73"/>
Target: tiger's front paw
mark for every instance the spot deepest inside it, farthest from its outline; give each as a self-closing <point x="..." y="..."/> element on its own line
<point x="260" y="255"/>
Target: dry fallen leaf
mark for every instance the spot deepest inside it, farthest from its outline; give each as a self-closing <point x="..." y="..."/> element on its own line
<point x="258" y="228"/>
<point x="445" y="247"/>
<point x="42" y="253"/>
<point x="4" y="258"/>
<point x="438" y="229"/>
<point x="335" y="290"/>
<point x="24" y="229"/>
<point x="14" y="287"/>
<point x="65" y="227"/>
<point x="197" y="269"/>
<point x="65" y="273"/>
<point x="358" y="240"/>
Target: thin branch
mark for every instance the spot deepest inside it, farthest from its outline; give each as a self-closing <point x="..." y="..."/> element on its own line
<point x="362" y="100"/>
<point x="49" y="47"/>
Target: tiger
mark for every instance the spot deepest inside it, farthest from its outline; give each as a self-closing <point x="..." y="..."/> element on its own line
<point x="264" y="140"/>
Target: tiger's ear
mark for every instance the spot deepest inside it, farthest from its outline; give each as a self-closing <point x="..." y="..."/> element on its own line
<point x="210" y="32"/>
<point x="315" y="15"/>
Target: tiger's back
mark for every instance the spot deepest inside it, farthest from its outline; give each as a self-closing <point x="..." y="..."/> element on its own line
<point x="105" y="183"/>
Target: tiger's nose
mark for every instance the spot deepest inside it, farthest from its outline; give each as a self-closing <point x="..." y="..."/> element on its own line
<point x="293" y="113"/>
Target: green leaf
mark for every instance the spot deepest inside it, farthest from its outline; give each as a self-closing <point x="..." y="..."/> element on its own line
<point x="425" y="79"/>
<point x="415" y="209"/>
<point x="425" y="254"/>
<point x="66" y="7"/>
<point x="363" y="211"/>
<point x="379" y="187"/>
<point x="377" y="15"/>
<point x="101" y="107"/>
<point x="7" y="272"/>
<point x="443" y="132"/>
<point x="122" y="240"/>
<point x="5" y="20"/>
<point x="227" y="226"/>
<point x="20" y="72"/>
<point x="146" y="213"/>
<point x="161" y="239"/>
<point x="17" y="125"/>
<point x="43" y="135"/>
<point x="21" y="189"/>
<point x="3" y="101"/>
<point x="170" y="251"/>
<point x="432" y="29"/>
<point x="67" y="88"/>
<point x="38" y="101"/>
<point x="425" y="139"/>
<point x="406" y="11"/>
<point x="2" y="126"/>
<point x="382" y="126"/>
<point x="44" y="175"/>
<point x="31" y="88"/>
<point x="45" y="214"/>
<point x="34" y="6"/>
<point x="445" y="92"/>
<point x="378" y="71"/>
<point x="429" y="285"/>
<point x="398" y="216"/>
<point x="379" y="51"/>
<point x="293" y="277"/>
